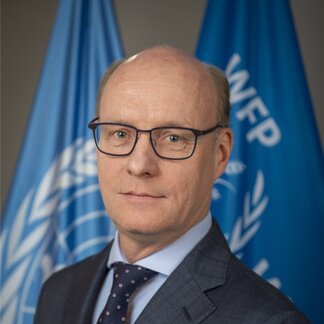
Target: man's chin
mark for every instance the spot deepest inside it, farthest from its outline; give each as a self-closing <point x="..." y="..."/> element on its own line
<point x="138" y="229"/>
<point x="142" y="231"/>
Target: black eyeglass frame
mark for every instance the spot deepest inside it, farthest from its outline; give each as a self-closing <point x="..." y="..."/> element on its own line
<point x="197" y="132"/>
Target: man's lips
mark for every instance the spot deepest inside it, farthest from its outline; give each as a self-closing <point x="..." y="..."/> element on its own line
<point x="141" y="195"/>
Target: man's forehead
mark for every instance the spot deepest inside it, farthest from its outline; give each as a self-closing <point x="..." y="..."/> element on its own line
<point x="163" y="73"/>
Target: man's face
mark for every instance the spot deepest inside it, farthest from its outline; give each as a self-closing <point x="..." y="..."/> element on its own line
<point x="146" y="196"/>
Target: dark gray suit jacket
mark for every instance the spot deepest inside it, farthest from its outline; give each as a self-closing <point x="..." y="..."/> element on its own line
<point x="210" y="286"/>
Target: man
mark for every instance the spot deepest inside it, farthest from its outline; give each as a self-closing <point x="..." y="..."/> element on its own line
<point x="163" y="139"/>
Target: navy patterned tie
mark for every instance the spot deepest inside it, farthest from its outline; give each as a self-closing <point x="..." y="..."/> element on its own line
<point x="127" y="278"/>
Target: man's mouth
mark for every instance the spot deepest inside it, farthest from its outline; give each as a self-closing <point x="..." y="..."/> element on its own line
<point x="136" y="195"/>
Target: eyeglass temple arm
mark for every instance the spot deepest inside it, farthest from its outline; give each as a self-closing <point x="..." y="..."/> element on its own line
<point x="209" y="130"/>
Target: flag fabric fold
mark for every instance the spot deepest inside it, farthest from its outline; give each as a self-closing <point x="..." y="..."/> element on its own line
<point x="270" y="201"/>
<point x="54" y="215"/>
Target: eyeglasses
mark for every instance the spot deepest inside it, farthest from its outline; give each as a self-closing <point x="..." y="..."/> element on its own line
<point x="173" y="143"/>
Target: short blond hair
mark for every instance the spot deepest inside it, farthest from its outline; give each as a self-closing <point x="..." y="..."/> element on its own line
<point x="222" y="89"/>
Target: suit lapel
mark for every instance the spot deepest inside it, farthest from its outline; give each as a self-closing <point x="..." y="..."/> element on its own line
<point x="182" y="298"/>
<point x="85" y="289"/>
<point x="179" y="300"/>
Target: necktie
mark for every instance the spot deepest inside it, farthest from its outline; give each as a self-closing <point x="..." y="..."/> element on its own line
<point x="127" y="278"/>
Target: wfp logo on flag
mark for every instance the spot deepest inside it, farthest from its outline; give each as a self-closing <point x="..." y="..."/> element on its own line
<point x="263" y="128"/>
<point x="50" y="230"/>
<point x="54" y="215"/>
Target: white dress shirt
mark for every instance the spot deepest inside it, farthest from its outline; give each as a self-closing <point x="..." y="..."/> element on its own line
<point x="161" y="262"/>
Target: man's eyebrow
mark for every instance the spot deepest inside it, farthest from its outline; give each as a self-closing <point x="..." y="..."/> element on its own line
<point x="159" y="124"/>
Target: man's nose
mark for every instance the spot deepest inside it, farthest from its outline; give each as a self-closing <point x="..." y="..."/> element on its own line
<point x="143" y="161"/>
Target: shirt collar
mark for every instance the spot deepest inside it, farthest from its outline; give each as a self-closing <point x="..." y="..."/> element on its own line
<point x="160" y="261"/>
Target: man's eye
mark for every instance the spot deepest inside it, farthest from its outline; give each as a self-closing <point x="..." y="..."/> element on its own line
<point x="120" y="134"/>
<point x="174" y="138"/>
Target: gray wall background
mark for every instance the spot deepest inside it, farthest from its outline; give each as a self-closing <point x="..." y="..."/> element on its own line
<point x="25" y="30"/>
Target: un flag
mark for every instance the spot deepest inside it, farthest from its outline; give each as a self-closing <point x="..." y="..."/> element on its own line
<point x="270" y="200"/>
<point x="54" y="215"/>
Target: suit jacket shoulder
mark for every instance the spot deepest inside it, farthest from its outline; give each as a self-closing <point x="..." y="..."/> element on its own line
<point x="69" y="295"/>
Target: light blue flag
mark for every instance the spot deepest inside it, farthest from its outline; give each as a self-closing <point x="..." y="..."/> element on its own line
<point x="270" y="200"/>
<point x="54" y="215"/>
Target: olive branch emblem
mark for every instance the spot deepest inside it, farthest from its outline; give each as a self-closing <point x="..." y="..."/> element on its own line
<point x="247" y="225"/>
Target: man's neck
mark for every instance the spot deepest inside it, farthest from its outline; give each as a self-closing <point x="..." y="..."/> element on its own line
<point x="136" y="247"/>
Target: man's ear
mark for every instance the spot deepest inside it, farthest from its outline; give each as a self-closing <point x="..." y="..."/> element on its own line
<point x="223" y="148"/>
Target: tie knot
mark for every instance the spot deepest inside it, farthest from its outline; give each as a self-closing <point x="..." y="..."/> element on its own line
<point x="128" y="277"/>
